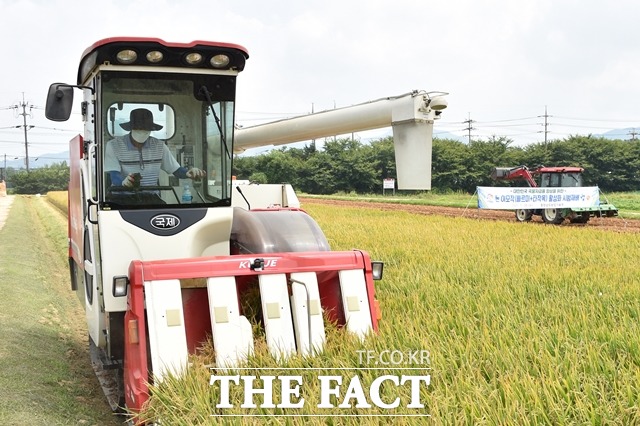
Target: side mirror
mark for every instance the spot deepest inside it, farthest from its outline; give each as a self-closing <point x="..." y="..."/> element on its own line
<point x="59" y="102"/>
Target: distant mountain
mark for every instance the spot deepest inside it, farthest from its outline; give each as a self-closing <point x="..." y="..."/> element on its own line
<point x="36" y="161"/>
<point x="622" y="134"/>
<point x="449" y="136"/>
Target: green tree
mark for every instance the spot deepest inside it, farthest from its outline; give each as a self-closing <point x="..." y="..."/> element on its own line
<point x="280" y="166"/>
<point x="244" y="166"/>
<point x="258" y="177"/>
<point x="42" y="180"/>
<point x="449" y="171"/>
<point x="352" y="167"/>
<point x="382" y="154"/>
<point x="316" y="177"/>
<point x="458" y="166"/>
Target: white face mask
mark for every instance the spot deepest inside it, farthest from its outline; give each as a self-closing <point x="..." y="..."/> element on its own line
<point x="140" y="135"/>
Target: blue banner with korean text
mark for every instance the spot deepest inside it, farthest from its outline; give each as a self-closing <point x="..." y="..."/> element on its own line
<point x="500" y="198"/>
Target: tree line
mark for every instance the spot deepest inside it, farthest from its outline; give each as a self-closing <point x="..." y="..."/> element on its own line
<point x="41" y="180"/>
<point x="348" y="165"/>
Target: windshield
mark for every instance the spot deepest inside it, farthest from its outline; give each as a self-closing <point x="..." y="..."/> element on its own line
<point x="166" y="140"/>
<point x="561" y="180"/>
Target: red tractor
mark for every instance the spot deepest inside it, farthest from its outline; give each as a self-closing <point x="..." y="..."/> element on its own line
<point x="553" y="177"/>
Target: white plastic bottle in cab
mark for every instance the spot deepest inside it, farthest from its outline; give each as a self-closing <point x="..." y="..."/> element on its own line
<point x="186" y="195"/>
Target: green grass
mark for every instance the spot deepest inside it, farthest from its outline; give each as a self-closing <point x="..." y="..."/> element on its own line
<point x="628" y="203"/>
<point x="451" y="199"/>
<point x="525" y="324"/>
<point x="45" y="374"/>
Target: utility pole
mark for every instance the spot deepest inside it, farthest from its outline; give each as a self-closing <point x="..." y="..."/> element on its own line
<point x="469" y="127"/>
<point x="546" y="124"/>
<point x="24" y="114"/>
<point x="633" y="134"/>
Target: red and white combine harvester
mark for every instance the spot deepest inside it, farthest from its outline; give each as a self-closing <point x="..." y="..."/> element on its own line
<point x="163" y="248"/>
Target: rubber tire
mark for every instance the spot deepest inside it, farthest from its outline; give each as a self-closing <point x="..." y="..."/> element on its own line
<point x="582" y="218"/>
<point x="552" y="216"/>
<point x="524" y="215"/>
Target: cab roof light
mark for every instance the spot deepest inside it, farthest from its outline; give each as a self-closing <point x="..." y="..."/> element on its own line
<point x="127" y="56"/>
<point x="220" y="61"/>
<point x="155" y="56"/>
<point x="193" y="58"/>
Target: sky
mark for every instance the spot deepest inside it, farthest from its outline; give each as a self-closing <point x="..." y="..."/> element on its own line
<point x="503" y="63"/>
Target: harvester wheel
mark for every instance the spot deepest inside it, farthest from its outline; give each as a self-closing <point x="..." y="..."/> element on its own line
<point x="552" y="216"/>
<point x="523" y="215"/>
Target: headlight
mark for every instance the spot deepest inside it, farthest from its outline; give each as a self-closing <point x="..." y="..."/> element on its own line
<point x="127" y="56"/>
<point x="376" y="270"/>
<point x="120" y="285"/>
<point x="220" y="61"/>
<point x="193" y="58"/>
<point x="154" y="56"/>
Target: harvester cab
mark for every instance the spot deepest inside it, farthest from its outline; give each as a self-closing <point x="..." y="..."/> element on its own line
<point x="163" y="246"/>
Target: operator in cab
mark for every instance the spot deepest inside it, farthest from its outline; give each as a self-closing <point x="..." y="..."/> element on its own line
<point x="135" y="159"/>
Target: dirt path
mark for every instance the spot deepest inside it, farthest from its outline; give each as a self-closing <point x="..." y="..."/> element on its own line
<point x="5" y="207"/>
<point x="45" y="374"/>
<point x="609" y="224"/>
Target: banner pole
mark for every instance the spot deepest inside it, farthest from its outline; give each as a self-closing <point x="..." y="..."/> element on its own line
<point x="469" y="202"/>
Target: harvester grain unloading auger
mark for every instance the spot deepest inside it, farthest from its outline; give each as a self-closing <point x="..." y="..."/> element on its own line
<point x="163" y="246"/>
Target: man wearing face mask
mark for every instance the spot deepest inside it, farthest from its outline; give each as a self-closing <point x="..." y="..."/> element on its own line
<point x="137" y="158"/>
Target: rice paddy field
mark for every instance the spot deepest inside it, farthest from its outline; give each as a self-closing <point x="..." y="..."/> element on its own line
<point x="523" y="324"/>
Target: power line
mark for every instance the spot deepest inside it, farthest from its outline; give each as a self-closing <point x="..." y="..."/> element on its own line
<point x="598" y="119"/>
<point x="507" y="120"/>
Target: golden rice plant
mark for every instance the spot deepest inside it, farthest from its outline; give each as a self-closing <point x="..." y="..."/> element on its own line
<point x="59" y="200"/>
<point x="525" y="324"/>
